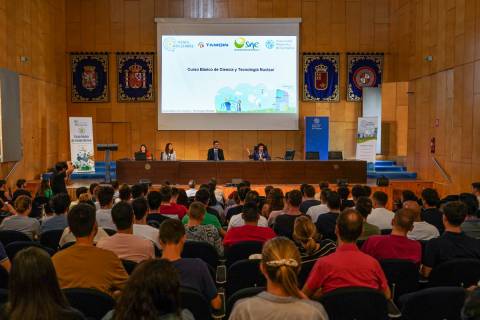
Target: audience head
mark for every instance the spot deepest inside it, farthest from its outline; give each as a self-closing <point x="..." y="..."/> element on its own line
<point x="333" y="201"/>
<point x="105" y="196"/>
<point x="471" y="202"/>
<point x="349" y="226"/>
<point x="23" y="205"/>
<point x="60" y="203"/>
<point x="191" y="184"/>
<point x="408" y="195"/>
<point x="203" y="196"/>
<point x="122" y="215"/>
<point x="324" y="185"/>
<point x="364" y="206"/>
<point x="81" y="221"/>
<point x="324" y="195"/>
<point x="343" y="192"/>
<point x="152" y="291"/>
<point x="80" y="191"/>
<point x="252" y="197"/>
<point x="415" y="208"/>
<point x="166" y="194"/>
<point x="154" y="199"/>
<point x="309" y="191"/>
<point x="61" y="166"/>
<point x="172" y="232"/>
<point x="275" y="199"/>
<point x="34" y="292"/>
<point x="250" y="212"/>
<point x="21" y="183"/>
<point x="125" y="192"/>
<point x="196" y="211"/>
<point x="92" y="188"/>
<point x="305" y="233"/>
<point x="86" y="197"/>
<point x="403" y="220"/>
<point x="115" y="184"/>
<point x="281" y="263"/>
<point x="140" y="208"/>
<point x="137" y="191"/>
<point x="357" y="192"/>
<point x="380" y="199"/>
<point x="430" y="198"/>
<point x="267" y="190"/>
<point x="294" y="198"/>
<point x="182" y="198"/>
<point x="454" y="213"/>
<point x="476" y="188"/>
<point x="367" y="190"/>
<point x="242" y="193"/>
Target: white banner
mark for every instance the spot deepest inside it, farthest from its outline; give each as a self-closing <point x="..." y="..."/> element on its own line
<point x="81" y="144"/>
<point x="367" y="138"/>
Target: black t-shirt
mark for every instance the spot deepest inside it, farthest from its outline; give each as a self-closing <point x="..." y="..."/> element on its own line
<point x="326" y="225"/>
<point x="305" y="205"/>
<point x="233" y="211"/>
<point x="450" y="246"/>
<point x="58" y="182"/>
<point x="283" y="225"/>
<point x="434" y="217"/>
<point x="20" y="192"/>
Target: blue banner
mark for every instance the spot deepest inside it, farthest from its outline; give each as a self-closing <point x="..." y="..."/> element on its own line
<point x="364" y="70"/>
<point x="317" y="136"/>
<point x="320" y="77"/>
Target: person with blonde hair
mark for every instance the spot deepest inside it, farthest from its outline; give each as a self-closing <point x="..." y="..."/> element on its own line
<point x="309" y="241"/>
<point x="21" y="221"/>
<point x="282" y="300"/>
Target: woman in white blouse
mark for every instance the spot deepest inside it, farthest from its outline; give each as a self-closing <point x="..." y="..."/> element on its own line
<point x="169" y="153"/>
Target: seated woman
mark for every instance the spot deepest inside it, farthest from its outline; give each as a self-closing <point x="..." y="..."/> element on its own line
<point x="143" y="149"/>
<point x="306" y="236"/>
<point x="282" y="300"/>
<point x="152" y="292"/>
<point x="196" y="231"/>
<point x="260" y="152"/>
<point x="34" y="292"/>
<point x="169" y="154"/>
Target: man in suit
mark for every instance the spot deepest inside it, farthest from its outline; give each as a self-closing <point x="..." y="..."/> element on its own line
<point x="215" y="153"/>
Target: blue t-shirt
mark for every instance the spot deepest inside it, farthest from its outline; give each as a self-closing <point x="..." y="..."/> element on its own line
<point x="194" y="274"/>
<point x="57" y="222"/>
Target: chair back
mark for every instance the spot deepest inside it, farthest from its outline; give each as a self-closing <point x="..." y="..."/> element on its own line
<point x="433" y="303"/>
<point x="67" y="245"/>
<point x="305" y="270"/>
<point x="402" y="276"/>
<point x="244" y="274"/>
<point x="92" y="303"/>
<point x="7" y="236"/>
<point x="156" y="217"/>
<point x="51" y="239"/>
<point x="202" y="250"/>
<point x="456" y="272"/>
<point x="193" y="301"/>
<point x="241" y="251"/>
<point x="3" y="296"/>
<point x="3" y="278"/>
<point x="355" y="303"/>
<point x="241" y="294"/>
<point x="14" y="247"/>
<point x="129" y="265"/>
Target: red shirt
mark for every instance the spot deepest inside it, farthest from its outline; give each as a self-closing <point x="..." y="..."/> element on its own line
<point x="347" y="267"/>
<point x="393" y="247"/>
<point x="248" y="233"/>
<point x="173" y="210"/>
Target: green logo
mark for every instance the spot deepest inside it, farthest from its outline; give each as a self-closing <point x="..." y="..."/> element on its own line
<point x="239" y="43"/>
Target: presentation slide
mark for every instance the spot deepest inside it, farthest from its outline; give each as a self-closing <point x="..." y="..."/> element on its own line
<point x="229" y="74"/>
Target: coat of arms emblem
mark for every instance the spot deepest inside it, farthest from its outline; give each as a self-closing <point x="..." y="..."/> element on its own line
<point x="89" y="77"/>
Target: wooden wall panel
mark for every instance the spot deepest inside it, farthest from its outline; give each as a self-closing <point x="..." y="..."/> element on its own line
<point x="328" y="25"/>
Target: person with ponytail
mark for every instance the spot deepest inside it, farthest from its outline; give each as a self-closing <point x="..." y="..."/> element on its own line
<point x="282" y="300"/>
<point x="309" y="242"/>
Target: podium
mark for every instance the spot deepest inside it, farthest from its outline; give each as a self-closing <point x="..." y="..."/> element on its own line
<point x="107" y="148"/>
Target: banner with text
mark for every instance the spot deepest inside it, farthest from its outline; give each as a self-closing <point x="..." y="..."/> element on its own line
<point x="367" y="138"/>
<point x="316" y="138"/>
<point x="81" y="144"/>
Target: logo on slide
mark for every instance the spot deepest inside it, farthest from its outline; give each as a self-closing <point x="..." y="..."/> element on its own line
<point x="270" y="44"/>
<point x="169" y="44"/>
<point x="239" y="42"/>
<point x="201" y="45"/>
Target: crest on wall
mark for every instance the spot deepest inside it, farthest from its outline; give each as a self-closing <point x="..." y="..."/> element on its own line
<point x="135" y="77"/>
<point x="89" y="77"/>
<point x="364" y="70"/>
<point x="320" y="77"/>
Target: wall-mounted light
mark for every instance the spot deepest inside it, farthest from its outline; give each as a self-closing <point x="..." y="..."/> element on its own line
<point x="428" y="58"/>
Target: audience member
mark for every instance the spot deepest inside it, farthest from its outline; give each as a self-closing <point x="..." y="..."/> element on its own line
<point x="309" y="243"/>
<point x="151" y="292"/>
<point x="396" y="245"/>
<point x="367" y="190"/>
<point x="242" y="194"/>
<point x="326" y="222"/>
<point x="380" y="217"/>
<point x="364" y="206"/>
<point x="104" y="214"/>
<point x="115" y="185"/>
<point x="124" y="243"/>
<point x="251" y="230"/>
<point x="20" y="221"/>
<point x="167" y="207"/>
<point x="408" y="195"/>
<point x="282" y="299"/>
<point x="125" y="193"/>
<point x="276" y="205"/>
<point x="195" y="231"/>
<point x="5" y="193"/>
<point x="194" y="272"/>
<point x="314" y="211"/>
<point x="60" y="176"/>
<point x="238" y="221"/>
<point x="431" y="213"/>
<point x="357" y="192"/>
<point x="83" y="265"/>
<point x="45" y="190"/>
<point x="284" y="223"/>
<point x="140" y="226"/>
<point x="78" y="192"/>
<point x="453" y="243"/>
<point x="476" y="190"/>
<point x="34" y="292"/>
<point x="182" y="199"/>
<point x="344" y="193"/>
<point x="137" y="191"/>
<point x="308" y="199"/>
<point x="214" y="205"/>
<point x="322" y="185"/>
<point x="59" y="204"/>
<point x="21" y="190"/>
<point x="347" y="266"/>
<point x="203" y="197"/>
<point x="471" y="225"/>
<point x="154" y="199"/>
<point x="421" y="230"/>
<point x="191" y="189"/>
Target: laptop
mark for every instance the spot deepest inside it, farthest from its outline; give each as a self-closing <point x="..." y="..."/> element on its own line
<point x="312" y="155"/>
<point x="289" y="154"/>
<point x="139" y="156"/>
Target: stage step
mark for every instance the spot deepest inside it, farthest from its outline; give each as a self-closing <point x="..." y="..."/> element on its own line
<point x="389" y="169"/>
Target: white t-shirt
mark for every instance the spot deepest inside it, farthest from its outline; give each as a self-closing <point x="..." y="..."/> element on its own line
<point x="191" y="192"/>
<point x="237" y="221"/>
<point x="423" y="231"/>
<point x="314" y="211"/>
<point x="104" y="219"/>
<point x="381" y="217"/>
<point x="147" y="232"/>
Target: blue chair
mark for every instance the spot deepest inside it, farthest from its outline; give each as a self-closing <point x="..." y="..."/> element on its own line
<point x="456" y="272"/>
<point x="196" y="303"/>
<point x="92" y="303"/>
<point x="7" y="236"/>
<point x="51" y="239"/>
<point x="242" y="251"/>
<point x="244" y="274"/>
<point x="14" y="247"/>
<point x="402" y="276"/>
<point x="201" y="250"/>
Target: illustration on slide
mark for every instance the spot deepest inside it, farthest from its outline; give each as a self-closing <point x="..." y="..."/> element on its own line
<point x="245" y="98"/>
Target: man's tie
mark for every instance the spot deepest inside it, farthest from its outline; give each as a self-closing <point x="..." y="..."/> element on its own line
<point x="215" y="152"/>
